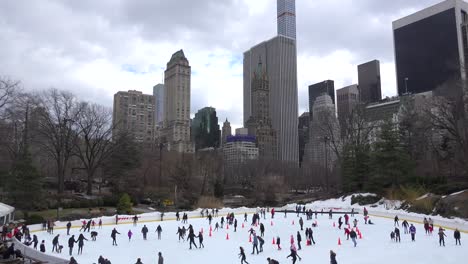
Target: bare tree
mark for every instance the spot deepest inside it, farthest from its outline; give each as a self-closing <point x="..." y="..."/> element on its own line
<point x="94" y="146"/>
<point x="8" y="90"/>
<point x="58" y="113"/>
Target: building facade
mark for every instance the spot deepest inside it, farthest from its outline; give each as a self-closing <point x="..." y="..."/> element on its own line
<point x="205" y="129"/>
<point x="286" y="20"/>
<point x="239" y="149"/>
<point x="317" y="89"/>
<point x="431" y="48"/>
<point x="318" y="149"/>
<point x="158" y="93"/>
<point x="226" y="131"/>
<point x="347" y="98"/>
<point x="176" y="127"/>
<point x="280" y="62"/>
<point x="259" y="123"/>
<point x="370" y="90"/>
<point x="303" y="132"/>
<point x="134" y="112"/>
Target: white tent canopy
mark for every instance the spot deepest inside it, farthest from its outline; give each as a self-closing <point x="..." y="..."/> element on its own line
<point x="6" y="213"/>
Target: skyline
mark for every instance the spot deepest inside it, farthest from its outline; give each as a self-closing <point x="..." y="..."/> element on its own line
<point x="104" y="48"/>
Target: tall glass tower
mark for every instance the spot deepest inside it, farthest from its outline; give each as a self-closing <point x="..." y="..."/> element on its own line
<point x="287" y="18"/>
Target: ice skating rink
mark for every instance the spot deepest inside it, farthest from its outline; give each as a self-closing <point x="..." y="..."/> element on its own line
<point x="374" y="247"/>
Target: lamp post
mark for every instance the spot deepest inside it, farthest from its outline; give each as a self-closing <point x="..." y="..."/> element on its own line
<point x="161" y="146"/>
<point x="406" y="85"/>
<point x="325" y="140"/>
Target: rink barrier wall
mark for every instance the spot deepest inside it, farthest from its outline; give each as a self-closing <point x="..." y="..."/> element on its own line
<point x="36" y="255"/>
<point x="450" y="224"/>
<point x="142" y="218"/>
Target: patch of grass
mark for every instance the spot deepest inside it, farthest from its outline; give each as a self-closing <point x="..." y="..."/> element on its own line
<point x="209" y="202"/>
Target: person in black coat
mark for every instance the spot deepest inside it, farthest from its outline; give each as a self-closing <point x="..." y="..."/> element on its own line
<point x="397" y="235"/>
<point x="113" y="235"/>
<point x="191" y="237"/>
<point x="294" y="256"/>
<point x="42" y="246"/>
<point x="262" y="230"/>
<point x="144" y="230"/>
<point x="35" y="241"/>
<point x="200" y="240"/>
<point x="242" y="256"/>
<point x="80" y="241"/>
<point x="299" y="239"/>
<point x="55" y="243"/>
<point x="235" y="225"/>
<point x="159" y="231"/>
<point x="68" y="228"/>
<point x="333" y="257"/>
<point x="71" y="244"/>
<point x="457" y="236"/>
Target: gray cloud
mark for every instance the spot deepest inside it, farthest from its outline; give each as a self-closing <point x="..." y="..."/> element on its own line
<point x="44" y="43"/>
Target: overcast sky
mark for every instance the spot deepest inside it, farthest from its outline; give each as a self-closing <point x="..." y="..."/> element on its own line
<point x="96" y="48"/>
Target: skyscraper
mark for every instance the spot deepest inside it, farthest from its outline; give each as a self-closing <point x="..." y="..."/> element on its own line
<point x="259" y="123"/>
<point x="315" y="90"/>
<point x="280" y="62"/>
<point x="158" y="93"/>
<point x="431" y="48"/>
<point x="303" y="131"/>
<point x="134" y="112"/>
<point x="286" y="11"/>
<point x="176" y="128"/>
<point x="347" y="98"/>
<point x="226" y="131"/>
<point x="319" y="150"/>
<point x="205" y="129"/>
<point x="369" y="82"/>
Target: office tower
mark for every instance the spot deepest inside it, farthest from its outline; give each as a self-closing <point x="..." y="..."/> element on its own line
<point x="280" y="61"/>
<point x="315" y="90"/>
<point x="226" y="131"/>
<point x="158" y="93"/>
<point x="369" y="82"/>
<point x="259" y="123"/>
<point x="347" y="99"/>
<point x="303" y="132"/>
<point x="319" y="150"/>
<point x="176" y="128"/>
<point x="205" y="129"/>
<point x="431" y="48"/>
<point x="286" y="21"/>
<point x="239" y="149"/>
<point x="134" y="112"/>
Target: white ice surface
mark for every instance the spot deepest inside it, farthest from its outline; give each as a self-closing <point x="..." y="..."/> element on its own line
<point x="374" y="247"/>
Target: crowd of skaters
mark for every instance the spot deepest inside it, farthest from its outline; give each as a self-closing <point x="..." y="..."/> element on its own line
<point x="229" y="220"/>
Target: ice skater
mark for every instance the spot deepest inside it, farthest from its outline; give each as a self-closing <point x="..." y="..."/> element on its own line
<point x="457" y="236"/>
<point x="55" y="243"/>
<point x="254" y="243"/>
<point x="81" y="239"/>
<point x="71" y="244"/>
<point x="242" y="256"/>
<point x="144" y="231"/>
<point x="159" y="231"/>
<point x="294" y="254"/>
<point x="129" y="234"/>
<point x="396" y="221"/>
<point x="200" y="240"/>
<point x="333" y="257"/>
<point x="114" y="235"/>
<point x="442" y="236"/>
<point x="412" y="230"/>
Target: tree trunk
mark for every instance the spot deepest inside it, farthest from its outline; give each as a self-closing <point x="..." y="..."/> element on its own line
<point x="89" y="187"/>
